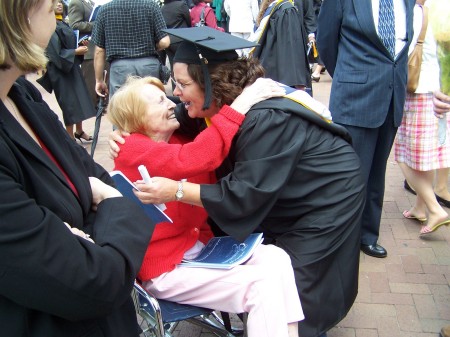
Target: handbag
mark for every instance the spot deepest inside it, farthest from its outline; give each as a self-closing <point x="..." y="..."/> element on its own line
<point x="415" y="58"/>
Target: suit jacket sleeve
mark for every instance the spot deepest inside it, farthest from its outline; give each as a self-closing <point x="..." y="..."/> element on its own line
<point x="329" y="27"/>
<point x="43" y="262"/>
<point x="76" y="18"/>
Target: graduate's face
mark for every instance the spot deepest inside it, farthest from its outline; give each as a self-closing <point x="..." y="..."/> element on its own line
<point x="190" y="93"/>
<point x="42" y="22"/>
<point x="160" y="113"/>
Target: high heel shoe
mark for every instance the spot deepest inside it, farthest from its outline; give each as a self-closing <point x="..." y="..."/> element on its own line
<point x="82" y="136"/>
<point x="315" y="78"/>
<point x="408" y="187"/>
<point x="443" y="201"/>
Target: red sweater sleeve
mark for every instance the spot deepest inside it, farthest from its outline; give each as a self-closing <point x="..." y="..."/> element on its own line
<point x="177" y="161"/>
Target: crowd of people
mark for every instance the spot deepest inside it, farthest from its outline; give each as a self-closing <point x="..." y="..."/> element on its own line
<point x="240" y="147"/>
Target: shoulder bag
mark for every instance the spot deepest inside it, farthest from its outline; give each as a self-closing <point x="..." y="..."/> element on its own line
<point x="202" y="21"/>
<point x="415" y="58"/>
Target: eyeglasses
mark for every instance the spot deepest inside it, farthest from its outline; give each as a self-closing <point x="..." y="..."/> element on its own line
<point x="181" y="86"/>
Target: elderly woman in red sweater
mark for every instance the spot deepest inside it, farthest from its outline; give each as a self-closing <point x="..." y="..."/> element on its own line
<point x="264" y="286"/>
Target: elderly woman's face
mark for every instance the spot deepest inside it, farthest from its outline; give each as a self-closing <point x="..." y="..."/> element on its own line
<point x="190" y="93"/>
<point x="42" y="22"/>
<point x="161" y="118"/>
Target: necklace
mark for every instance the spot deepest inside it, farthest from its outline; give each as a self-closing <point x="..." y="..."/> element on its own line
<point x="13" y="108"/>
<point x="23" y="123"/>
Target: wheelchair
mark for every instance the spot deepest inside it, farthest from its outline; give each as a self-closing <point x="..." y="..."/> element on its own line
<point x="159" y="318"/>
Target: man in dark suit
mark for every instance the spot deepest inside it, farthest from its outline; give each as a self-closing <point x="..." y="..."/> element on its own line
<point x="369" y="88"/>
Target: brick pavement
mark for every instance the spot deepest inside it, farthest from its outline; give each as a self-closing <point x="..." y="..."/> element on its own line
<point x="404" y="295"/>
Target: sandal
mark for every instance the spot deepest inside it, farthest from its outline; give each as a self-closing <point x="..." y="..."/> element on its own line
<point x="409" y="215"/>
<point x="82" y="136"/>
<point x="427" y="230"/>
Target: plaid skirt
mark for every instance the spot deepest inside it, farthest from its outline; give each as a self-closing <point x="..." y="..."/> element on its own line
<point x="418" y="144"/>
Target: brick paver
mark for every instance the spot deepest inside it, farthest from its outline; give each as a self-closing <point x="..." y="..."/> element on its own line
<point x="406" y="294"/>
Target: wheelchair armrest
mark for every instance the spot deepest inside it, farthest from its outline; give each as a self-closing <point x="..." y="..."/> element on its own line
<point x="143" y="300"/>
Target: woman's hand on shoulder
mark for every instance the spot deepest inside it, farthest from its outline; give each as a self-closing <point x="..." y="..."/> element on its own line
<point x="115" y="137"/>
<point x="160" y="191"/>
<point x="260" y="90"/>
<point x="101" y="191"/>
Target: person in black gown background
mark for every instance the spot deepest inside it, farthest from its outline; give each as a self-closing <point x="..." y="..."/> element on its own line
<point x="281" y="39"/>
<point x="65" y="78"/>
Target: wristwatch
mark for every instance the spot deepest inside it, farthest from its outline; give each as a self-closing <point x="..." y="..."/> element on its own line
<point x="180" y="194"/>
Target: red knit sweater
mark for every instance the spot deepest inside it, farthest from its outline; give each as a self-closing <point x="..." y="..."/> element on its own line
<point x="194" y="161"/>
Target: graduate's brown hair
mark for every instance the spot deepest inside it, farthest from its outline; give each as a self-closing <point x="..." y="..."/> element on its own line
<point x="228" y="79"/>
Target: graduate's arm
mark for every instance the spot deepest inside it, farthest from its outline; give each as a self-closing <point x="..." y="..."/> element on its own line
<point x="328" y="31"/>
<point x="163" y="190"/>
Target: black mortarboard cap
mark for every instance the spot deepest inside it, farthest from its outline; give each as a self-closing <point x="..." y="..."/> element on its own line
<point x="205" y="45"/>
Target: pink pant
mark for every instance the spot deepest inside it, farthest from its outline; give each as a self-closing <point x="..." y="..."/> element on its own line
<point x="264" y="287"/>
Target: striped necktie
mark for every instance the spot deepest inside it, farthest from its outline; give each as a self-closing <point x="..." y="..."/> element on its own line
<point x="386" y="25"/>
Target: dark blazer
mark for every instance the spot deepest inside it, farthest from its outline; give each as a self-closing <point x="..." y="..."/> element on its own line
<point x="365" y="75"/>
<point x="53" y="283"/>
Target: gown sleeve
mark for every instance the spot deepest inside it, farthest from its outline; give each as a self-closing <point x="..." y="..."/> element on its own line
<point x="265" y="155"/>
<point x="63" y="59"/>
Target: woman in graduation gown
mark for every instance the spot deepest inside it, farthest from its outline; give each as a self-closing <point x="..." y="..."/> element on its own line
<point x="281" y="42"/>
<point x="52" y="282"/>
<point x="291" y="173"/>
<point x="65" y="78"/>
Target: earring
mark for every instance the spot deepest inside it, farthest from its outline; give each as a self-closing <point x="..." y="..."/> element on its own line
<point x="29" y="22"/>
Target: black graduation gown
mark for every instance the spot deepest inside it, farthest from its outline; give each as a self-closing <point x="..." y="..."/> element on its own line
<point x="64" y="76"/>
<point x="282" y="49"/>
<point x="301" y="185"/>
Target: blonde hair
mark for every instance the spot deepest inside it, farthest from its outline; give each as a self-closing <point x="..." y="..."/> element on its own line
<point x="127" y="108"/>
<point x="16" y="41"/>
